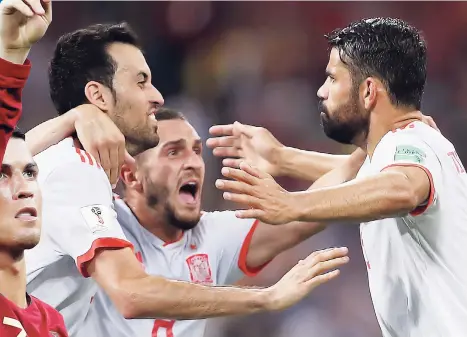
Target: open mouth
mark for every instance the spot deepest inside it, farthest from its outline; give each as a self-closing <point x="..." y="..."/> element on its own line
<point x="189" y="192"/>
<point x="27" y="214"/>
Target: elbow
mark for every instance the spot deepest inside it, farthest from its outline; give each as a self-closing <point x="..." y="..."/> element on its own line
<point x="404" y="199"/>
<point x="126" y="303"/>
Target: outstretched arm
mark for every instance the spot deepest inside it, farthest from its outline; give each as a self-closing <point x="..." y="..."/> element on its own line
<point x="139" y="295"/>
<point x="240" y="142"/>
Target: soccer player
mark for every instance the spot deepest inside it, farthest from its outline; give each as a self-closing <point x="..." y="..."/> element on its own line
<point x="23" y="22"/>
<point x="161" y="216"/>
<point x="409" y="190"/>
<point x="83" y="245"/>
<point x="20" y="228"/>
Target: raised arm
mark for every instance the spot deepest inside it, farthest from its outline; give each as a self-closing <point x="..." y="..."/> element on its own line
<point x="139" y="295"/>
<point x="22" y="23"/>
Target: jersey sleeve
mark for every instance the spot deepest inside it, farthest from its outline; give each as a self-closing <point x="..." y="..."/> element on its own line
<point x="12" y="81"/>
<point x="232" y="237"/>
<point x="407" y="148"/>
<point x="78" y="213"/>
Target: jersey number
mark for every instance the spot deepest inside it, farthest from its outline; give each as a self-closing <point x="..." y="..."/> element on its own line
<point x="16" y="324"/>
<point x="162" y="324"/>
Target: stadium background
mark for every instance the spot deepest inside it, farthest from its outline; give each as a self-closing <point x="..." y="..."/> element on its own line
<point x="261" y="63"/>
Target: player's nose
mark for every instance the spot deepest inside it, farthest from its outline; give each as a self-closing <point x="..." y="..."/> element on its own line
<point x="22" y="189"/>
<point x="155" y="96"/>
<point x="322" y="91"/>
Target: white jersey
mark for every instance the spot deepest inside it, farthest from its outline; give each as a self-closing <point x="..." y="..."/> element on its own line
<point x="212" y="253"/>
<point x="77" y="218"/>
<point x="417" y="263"/>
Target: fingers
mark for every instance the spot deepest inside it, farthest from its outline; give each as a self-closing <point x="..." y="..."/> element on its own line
<point x="323" y="278"/>
<point x="221" y="130"/>
<point x="36" y="6"/>
<point x="121" y="153"/>
<point x="104" y="160"/>
<point x="241" y="175"/>
<point x="247" y="130"/>
<point x="226" y="141"/>
<point x="227" y="152"/>
<point x="231" y="162"/>
<point x="251" y="214"/>
<point x="253" y="171"/>
<point x="243" y="199"/>
<point x="47" y="5"/>
<point x="9" y="7"/>
<point x="114" y="162"/>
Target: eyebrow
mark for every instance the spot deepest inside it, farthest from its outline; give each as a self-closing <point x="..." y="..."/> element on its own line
<point x="30" y="166"/>
<point x="174" y="142"/>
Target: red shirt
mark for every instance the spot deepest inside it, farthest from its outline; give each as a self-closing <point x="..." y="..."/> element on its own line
<point x="37" y="320"/>
<point x="12" y="81"/>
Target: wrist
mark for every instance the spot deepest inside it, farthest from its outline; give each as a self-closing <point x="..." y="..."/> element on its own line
<point x="279" y="159"/>
<point x="17" y="56"/>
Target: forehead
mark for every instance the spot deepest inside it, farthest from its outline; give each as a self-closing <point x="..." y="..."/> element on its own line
<point x="128" y="58"/>
<point x="17" y="153"/>
<point x="175" y="129"/>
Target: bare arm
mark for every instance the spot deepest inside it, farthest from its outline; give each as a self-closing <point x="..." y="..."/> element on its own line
<point x="395" y="191"/>
<point x="138" y="295"/>
<point x="268" y="241"/>
<point x="307" y="165"/>
<point x="50" y="132"/>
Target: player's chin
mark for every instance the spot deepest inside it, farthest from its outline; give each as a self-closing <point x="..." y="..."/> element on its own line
<point x="27" y="239"/>
<point x="189" y="218"/>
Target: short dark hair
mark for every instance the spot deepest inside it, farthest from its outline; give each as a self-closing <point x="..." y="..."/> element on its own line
<point x="164" y="114"/>
<point x="389" y="49"/>
<point x="80" y="57"/>
<point x="17" y="133"/>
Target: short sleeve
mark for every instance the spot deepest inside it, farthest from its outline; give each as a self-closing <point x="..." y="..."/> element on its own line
<point x="407" y="148"/>
<point x="232" y="237"/>
<point x="78" y="212"/>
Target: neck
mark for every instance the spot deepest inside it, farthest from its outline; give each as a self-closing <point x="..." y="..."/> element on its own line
<point x="152" y="219"/>
<point x="382" y="123"/>
<point x="13" y="278"/>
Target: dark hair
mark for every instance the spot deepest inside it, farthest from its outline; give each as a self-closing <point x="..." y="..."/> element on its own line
<point x="80" y="57"/>
<point x="17" y="133"/>
<point x="386" y="48"/>
<point x="164" y="114"/>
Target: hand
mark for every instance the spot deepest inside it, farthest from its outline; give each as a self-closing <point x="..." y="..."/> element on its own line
<point x="23" y="22"/>
<point x="430" y="121"/>
<point x="306" y="276"/>
<point x="102" y="139"/>
<point x="267" y="200"/>
<point x="253" y="144"/>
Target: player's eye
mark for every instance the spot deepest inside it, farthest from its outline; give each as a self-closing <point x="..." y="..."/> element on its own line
<point x="198" y="150"/>
<point x="3" y="175"/>
<point x="30" y="174"/>
<point x="172" y="153"/>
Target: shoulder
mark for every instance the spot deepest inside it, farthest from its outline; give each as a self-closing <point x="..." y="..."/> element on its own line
<point x="64" y="156"/>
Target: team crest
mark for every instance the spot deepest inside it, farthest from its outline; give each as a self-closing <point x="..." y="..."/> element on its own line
<point x="200" y="270"/>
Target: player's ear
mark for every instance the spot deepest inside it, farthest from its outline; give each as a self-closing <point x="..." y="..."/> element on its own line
<point x="129" y="178"/>
<point x="99" y="95"/>
<point x="369" y="91"/>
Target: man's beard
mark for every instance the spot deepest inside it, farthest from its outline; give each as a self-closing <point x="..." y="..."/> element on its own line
<point x="347" y="122"/>
<point x="137" y="140"/>
<point x="154" y="199"/>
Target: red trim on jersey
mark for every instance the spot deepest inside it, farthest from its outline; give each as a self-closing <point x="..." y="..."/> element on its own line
<point x="242" y="264"/>
<point x="420" y="209"/>
<point x="89" y="157"/>
<point x="100" y="243"/>
<point x="78" y="151"/>
<point x="166" y="243"/>
<point x="409" y="124"/>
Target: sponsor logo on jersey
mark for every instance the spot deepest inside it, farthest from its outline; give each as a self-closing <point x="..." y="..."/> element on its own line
<point x="200" y="270"/>
<point x="409" y="153"/>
